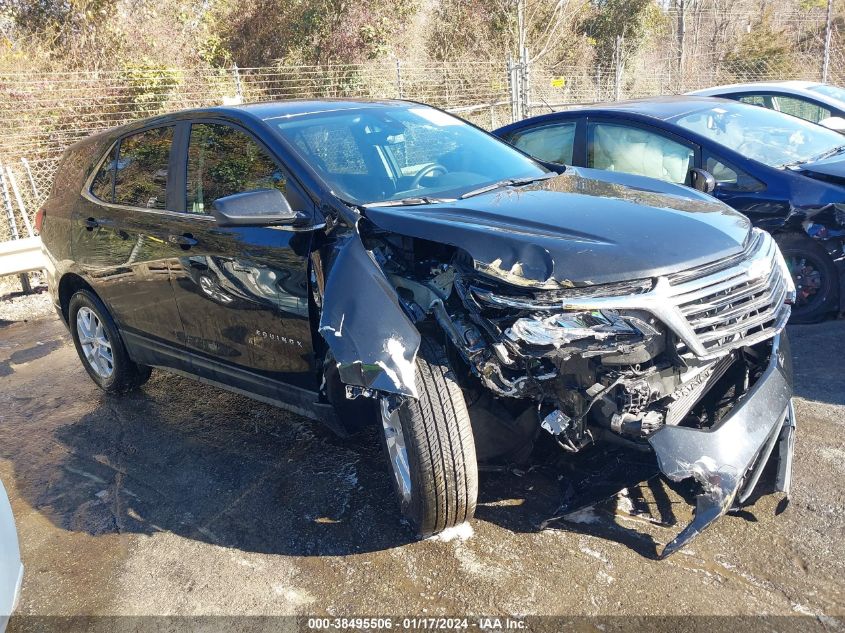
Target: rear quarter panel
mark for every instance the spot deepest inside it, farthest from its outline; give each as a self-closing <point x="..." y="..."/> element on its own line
<point x="57" y="228"/>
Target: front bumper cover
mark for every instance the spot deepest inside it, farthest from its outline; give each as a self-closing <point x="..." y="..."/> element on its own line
<point x="728" y="459"/>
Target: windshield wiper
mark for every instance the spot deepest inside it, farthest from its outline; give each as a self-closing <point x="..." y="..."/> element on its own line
<point x="509" y="182"/>
<point x="412" y="201"/>
<point x="831" y="152"/>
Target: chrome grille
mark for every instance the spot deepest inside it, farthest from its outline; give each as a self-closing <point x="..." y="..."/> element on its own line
<point x="738" y="305"/>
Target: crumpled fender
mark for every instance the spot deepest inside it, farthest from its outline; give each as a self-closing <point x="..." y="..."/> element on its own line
<point x="370" y="337"/>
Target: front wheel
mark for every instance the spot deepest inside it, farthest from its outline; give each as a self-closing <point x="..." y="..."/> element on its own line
<point x="430" y="449"/>
<point x="814" y="275"/>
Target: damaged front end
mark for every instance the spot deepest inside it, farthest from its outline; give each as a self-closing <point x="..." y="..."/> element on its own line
<point x="691" y="364"/>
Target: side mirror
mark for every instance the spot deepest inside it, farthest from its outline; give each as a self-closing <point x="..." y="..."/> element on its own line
<point x="702" y="180"/>
<point x="260" y="207"/>
<point x="835" y="123"/>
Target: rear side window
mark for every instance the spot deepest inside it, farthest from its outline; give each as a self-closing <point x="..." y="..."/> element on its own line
<point x="551" y="143"/>
<point x="141" y="169"/>
<point x="758" y="100"/>
<point x="102" y="186"/>
<point x="223" y="161"/>
<point x="802" y="109"/>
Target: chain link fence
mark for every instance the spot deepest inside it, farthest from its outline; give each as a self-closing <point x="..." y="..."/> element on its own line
<point x="42" y="114"/>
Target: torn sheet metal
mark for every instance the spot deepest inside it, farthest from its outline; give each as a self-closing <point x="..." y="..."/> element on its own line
<point x="720" y="458"/>
<point x="561" y="329"/>
<point x="370" y="337"/>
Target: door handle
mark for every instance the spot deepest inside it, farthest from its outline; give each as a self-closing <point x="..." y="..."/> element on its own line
<point x="184" y="241"/>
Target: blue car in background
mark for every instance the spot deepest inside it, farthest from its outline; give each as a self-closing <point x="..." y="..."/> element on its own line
<point x="786" y="174"/>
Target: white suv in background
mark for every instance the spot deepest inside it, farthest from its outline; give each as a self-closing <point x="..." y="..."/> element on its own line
<point x="11" y="567"/>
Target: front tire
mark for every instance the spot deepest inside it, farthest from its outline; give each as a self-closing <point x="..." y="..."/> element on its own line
<point x="814" y="275"/>
<point x="100" y="346"/>
<point x="430" y="448"/>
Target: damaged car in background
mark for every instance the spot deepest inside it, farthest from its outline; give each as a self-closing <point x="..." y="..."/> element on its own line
<point x="413" y="271"/>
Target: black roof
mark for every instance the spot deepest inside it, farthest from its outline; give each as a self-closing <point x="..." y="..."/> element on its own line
<point x="660" y="108"/>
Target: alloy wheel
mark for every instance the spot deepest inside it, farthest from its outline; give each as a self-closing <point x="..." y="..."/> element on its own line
<point x="94" y="342"/>
<point x="807" y="275"/>
<point x="396" y="450"/>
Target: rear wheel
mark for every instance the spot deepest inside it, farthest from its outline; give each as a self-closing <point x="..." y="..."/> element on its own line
<point x="430" y="449"/>
<point x="100" y="347"/>
<point x="814" y="274"/>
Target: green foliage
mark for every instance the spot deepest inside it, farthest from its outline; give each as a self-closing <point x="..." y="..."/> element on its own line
<point x="763" y="53"/>
<point x="634" y="21"/>
<point x="317" y="32"/>
<point x="149" y="85"/>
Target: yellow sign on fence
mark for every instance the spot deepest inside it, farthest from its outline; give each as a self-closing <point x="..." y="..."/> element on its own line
<point x="558" y="82"/>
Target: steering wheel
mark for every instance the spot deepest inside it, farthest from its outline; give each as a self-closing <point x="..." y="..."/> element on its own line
<point x="422" y="173"/>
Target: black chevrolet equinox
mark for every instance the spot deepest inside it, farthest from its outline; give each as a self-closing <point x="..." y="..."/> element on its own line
<point x="385" y="262"/>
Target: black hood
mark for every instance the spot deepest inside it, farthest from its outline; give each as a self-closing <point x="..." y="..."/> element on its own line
<point x="577" y="230"/>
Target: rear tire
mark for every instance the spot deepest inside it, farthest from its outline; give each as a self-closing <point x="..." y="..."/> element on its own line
<point x="814" y="274"/>
<point x="100" y="346"/>
<point x="437" y="482"/>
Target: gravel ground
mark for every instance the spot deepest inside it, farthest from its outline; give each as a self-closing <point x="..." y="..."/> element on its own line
<point x="182" y="499"/>
<point x="16" y="306"/>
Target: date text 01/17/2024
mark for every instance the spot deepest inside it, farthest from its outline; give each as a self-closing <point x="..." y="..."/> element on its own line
<point x="417" y="623"/>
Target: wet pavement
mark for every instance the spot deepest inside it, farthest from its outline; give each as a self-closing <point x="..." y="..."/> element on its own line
<point x="185" y="499"/>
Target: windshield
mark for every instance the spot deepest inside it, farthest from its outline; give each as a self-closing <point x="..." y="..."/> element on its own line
<point x="771" y="137"/>
<point x="830" y="91"/>
<point x="376" y="154"/>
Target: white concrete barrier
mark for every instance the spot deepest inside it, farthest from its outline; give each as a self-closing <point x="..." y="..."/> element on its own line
<point x="21" y="256"/>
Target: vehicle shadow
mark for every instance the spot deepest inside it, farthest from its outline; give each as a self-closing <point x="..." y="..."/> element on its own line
<point x="612" y="493"/>
<point x="217" y="467"/>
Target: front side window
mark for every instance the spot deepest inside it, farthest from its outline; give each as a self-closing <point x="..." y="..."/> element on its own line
<point x="222" y="161"/>
<point x="141" y="169"/>
<point x="767" y="136"/>
<point x="551" y="143"/>
<point x="375" y="154"/>
<point x="801" y="108"/>
<point x="633" y="150"/>
<point x="730" y="177"/>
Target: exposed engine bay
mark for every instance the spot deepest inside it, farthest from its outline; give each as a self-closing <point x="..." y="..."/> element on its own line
<point x="689" y="364"/>
<point x="582" y="371"/>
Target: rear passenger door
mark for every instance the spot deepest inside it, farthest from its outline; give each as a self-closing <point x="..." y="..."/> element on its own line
<point x="242" y="292"/>
<point x="121" y="240"/>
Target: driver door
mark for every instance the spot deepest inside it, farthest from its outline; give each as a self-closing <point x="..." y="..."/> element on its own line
<point x="242" y="292"/>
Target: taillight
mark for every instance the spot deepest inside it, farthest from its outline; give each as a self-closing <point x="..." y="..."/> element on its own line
<point x="39" y="219"/>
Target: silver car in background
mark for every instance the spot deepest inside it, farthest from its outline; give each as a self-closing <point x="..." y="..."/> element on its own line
<point x="11" y="567"/>
<point x="809" y="100"/>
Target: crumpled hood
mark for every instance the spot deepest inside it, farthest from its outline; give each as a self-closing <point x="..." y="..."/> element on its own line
<point x="575" y="229"/>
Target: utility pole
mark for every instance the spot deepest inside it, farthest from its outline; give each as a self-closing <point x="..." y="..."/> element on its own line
<point x="619" y="68"/>
<point x="827" y="35"/>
